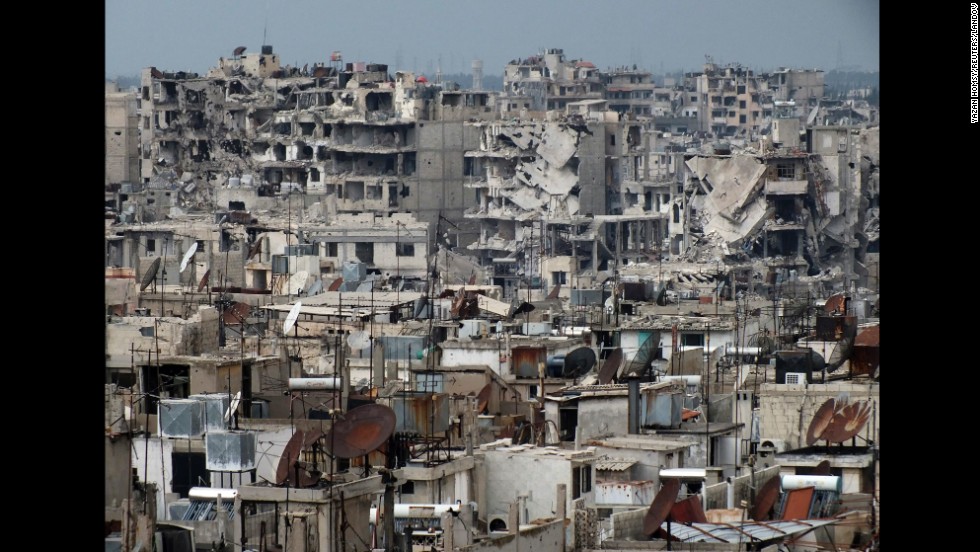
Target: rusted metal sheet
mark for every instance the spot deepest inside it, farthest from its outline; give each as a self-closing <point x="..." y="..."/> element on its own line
<point x="798" y="503"/>
<point x="661" y="506"/>
<point x="524" y="363"/>
<point x="420" y="413"/>
<point x="235" y="313"/>
<point x="868" y="337"/>
<point x="765" y="499"/>
<point x="865" y="360"/>
<point x="688" y="510"/>
<point x="360" y="431"/>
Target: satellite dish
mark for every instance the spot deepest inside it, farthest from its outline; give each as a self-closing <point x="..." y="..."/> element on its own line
<point x="847" y="422"/>
<point x="286" y="471"/>
<point x="641" y="360"/>
<point x="554" y="292"/>
<point x="187" y="256"/>
<point x="151" y="273"/>
<point x="821" y="420"/>
<point x="578" y="362"/>
<point x="661" y="506"/>
<point x="315" y="288"/>
<point x="611" y="366"/>
<point x="204" y="281"/>
<point x="823" y="468"/>
<point x="291" y="317"/>
<point x="336" y="284"/>
<point x="233" y="407"/>
<point x="359" y="340"/>
<point x="483" y="398"/>
<point x="524" y="307"/>
<point x="360" y="431"/>
<point x="297" y="281"/>
<point x="840" y="353"/>
<point x="239" y="51"/>
<point x="765" y="499"/>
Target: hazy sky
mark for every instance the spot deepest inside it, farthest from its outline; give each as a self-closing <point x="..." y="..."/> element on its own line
<point x="421" y="35"/>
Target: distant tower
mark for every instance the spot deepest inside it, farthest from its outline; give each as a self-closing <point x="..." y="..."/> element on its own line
<point x="477" y="66"/>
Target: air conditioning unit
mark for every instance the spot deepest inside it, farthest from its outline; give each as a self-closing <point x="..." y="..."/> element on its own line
<point x="795" y="378"/>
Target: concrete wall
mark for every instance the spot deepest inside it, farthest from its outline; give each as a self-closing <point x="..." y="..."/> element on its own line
<point x="592" y="171"/>
<point x="439" y="185"/>
<point x="547" y="537"/>
<point x="598" y="417"/>
<point x="117" y="472"/>
<point x="121" y="138"/>
<point x="174" y="336"/>
<point x="648" y="462"/>
<point x="785" y="411"/>
<point x="629" y="525"/>
<point x="509" y="474"/>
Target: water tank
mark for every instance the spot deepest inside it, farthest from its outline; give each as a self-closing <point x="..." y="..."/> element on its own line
<point x="234" y="182"/>
<point x="215" y="406"/>
<point x="818" y="482"/>
<point x="182" y="418"/>
<point x="555" y="366"/>
<point x="229" y="451"/>
<point x="266" y="49"/>
<point x="247" y="180"/>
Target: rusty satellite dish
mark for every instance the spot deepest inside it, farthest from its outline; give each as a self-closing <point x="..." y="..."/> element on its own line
<point x="360" y="431"/>
<point x="483" y="398"/>
<point x="835" y="303"/>
<point x="204" y="281"/>
<point x="847" y="422"/>
<point x="287" y="470"/>
<point x="765" y="499"/>
<point x="578" y="362"/>
<point x="150" y="274"/>
<point x="821" y="420"/>
<point x="611" y="366"/>
<point x="836" y="421"/>
<point x="661" y="506"/>
<point x="239" y="51"/>
<point x="336" y="284"/>
<point x="823" y="468"/>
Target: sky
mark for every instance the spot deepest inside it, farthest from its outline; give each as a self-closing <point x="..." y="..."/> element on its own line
<point x="425" y="35"/>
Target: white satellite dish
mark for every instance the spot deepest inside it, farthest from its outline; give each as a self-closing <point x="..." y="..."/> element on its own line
<point x="234" y="406"/>
<point x="297" y="282"/>
<point x="291" y="317"/>
<point x="187" y="256"/>
<point x="359" y="340"/>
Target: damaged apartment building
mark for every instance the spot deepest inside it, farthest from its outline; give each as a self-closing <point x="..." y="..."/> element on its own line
<point x="350" y="137"/>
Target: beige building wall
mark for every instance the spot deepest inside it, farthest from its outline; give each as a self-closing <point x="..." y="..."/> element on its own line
<point x="785" y="411"/>
<point x="121" y="136"/>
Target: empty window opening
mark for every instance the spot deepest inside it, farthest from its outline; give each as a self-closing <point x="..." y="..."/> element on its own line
<point x="364" y="251"/>
<point x="405" y="249"/>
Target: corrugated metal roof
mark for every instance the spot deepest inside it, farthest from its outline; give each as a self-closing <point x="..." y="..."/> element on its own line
<point x="743" y="532"/>
<point x="616" y="465"/>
